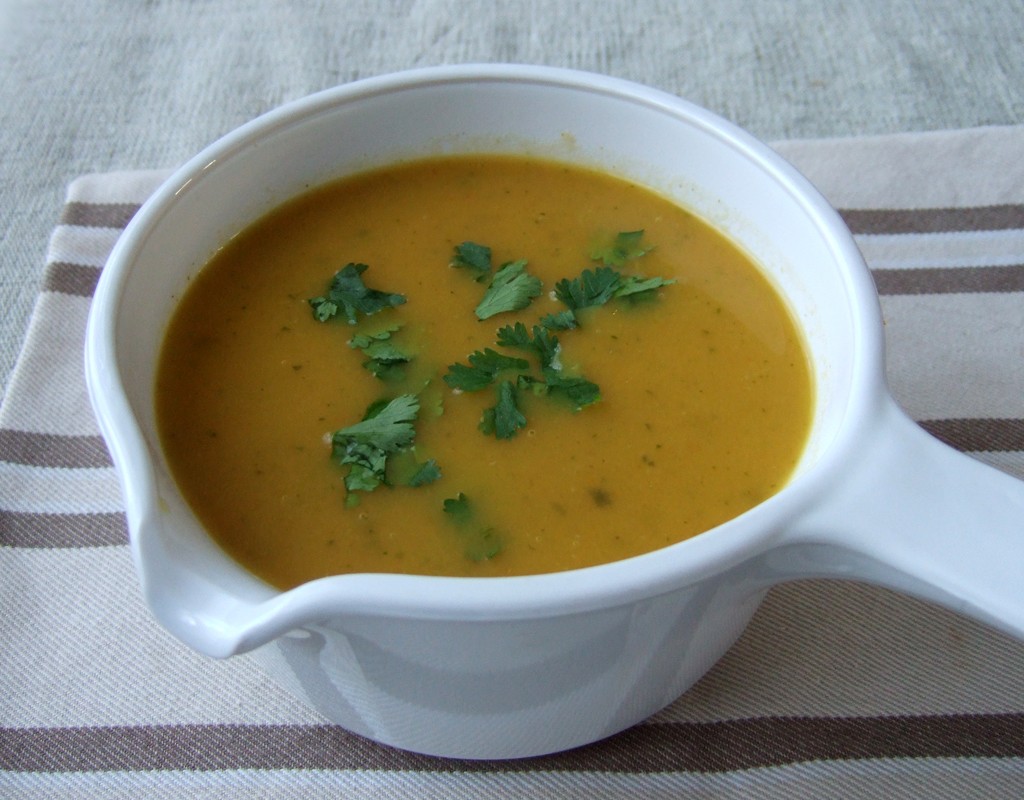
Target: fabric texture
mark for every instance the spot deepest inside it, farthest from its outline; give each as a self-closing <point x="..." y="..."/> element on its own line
<point x="835" y="689"/>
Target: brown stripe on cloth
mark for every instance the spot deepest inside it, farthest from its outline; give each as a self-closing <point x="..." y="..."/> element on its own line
<point x="53" y="450"/>
<point x="98" y="215"/>
<point x="977" y="434"/>
<point x="949" y="280"/>
<point x="644" y="749"/>
<point x="933" y="220"/>
<point x="37" y="530"/>
<point x="73" y="279"/>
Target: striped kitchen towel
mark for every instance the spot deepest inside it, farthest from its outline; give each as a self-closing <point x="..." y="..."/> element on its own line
<point x="837" y="690"/>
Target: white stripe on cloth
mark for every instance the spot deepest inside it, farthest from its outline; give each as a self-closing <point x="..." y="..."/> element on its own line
<point x="47" y="390"/>
<point x="116" y="187"/>
<point x="57" y="490"/>
<point x="960" y="249"/>
<point x="77" y="244"/>
<point x="956" y="355"/>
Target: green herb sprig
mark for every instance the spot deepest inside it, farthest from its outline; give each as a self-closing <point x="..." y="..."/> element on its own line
<point x="387" y="428"/>
<point x="511" y="289"/>
<point x="379" y="450"/>
<point x="384" y="358"/>
<point x="348" y="295"/>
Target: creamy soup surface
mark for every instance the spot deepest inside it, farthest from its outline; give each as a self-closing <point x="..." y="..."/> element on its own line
<point x="705" y="388"/>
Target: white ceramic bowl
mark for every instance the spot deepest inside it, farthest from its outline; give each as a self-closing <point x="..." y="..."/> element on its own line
<point x="509" y="667"/>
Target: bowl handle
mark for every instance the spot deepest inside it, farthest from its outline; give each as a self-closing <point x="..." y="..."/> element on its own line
<point x="912" y="514"/>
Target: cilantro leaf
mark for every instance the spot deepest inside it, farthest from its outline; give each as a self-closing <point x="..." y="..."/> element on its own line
<point x="503" y="420"/>
<point x="547" y="347"/>
<point x="596" y="287"/>
<point x="625" y="247"/>
<point x="323" y="309"/>
<point x="388" y="424"/>
<point x="386" y="428"/>
<point x="634" y="285"/>
<point x="578" y="390"/>
<point x="474" y="257"/>
<point x="560" y="321"/>
<point x="366" y="467"/>
<point x="347" y="293"/>
<point x="515" y="336"/>
<point x="468" y="379"/>
<point x="529" y="383"/>
<point x="403" y="469"/>
<point x="495" y="362"/>
<point x="592" y="288"/>
<point x="427" y="473"/>
<point x="541" y="342"/>
<point x="361" y="341"/>
<point x="511" y="289"/>
<point x="384" y="358"/>
<point x="483" y="367"/>
<point x="458" y="507"/>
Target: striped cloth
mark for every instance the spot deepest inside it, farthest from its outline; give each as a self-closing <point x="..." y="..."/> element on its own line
<point x="836" y="689"/>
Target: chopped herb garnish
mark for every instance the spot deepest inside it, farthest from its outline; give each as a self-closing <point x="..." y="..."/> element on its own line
<point x="474" y="257"/>
<point x="348" y="294"/>
<point x="547" y="348"/>
<point x="404" y="470"/>
<point x="560" y="321"/>
<point x="592" y="288"/>
<point x="633" y="285"/>
<point x="576" y="389"/>
<point x="504" y="419"/>
<point x="427" y="473"/>
<point x="511" y="289"/>
<point x="596" y="287"/>
<point x="361" y="341"/>
<point x="384" y="359"/>
<point x="515" y="335"/>
<point x="379" y="450"/>
<point x="483" y="367"/>
<point x="468" y="379"/>
<point x="579" y="391"/>
<point x="625" y="247"/>
<point x="458" y="508"/>
<point x="542" y="342"/>
<point x="386" y="429"/>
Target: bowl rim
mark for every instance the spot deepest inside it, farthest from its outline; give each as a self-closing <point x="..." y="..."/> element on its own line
<point x="530" y="596"/>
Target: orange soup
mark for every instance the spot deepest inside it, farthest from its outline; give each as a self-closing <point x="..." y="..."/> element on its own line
<point x="477" y="366"/>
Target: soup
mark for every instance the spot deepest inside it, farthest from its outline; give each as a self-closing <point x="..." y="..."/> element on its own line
<point x="476" y="366"/>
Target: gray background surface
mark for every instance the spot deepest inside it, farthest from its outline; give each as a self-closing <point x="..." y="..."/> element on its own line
<point x="93" y="86"/>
